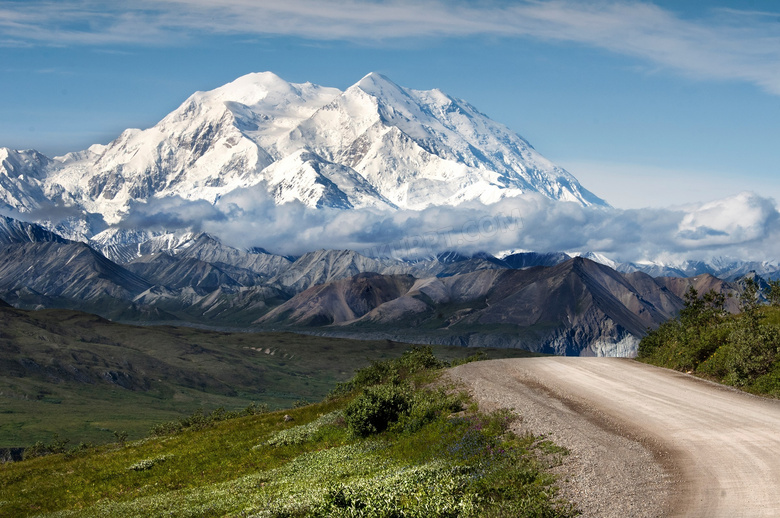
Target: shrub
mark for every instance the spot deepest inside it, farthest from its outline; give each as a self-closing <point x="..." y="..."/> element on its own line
<point x="773" y="292"/>
<point x="753" y="352"/>
<point x="741" y="350"/>
<point x="417" y="358"/>
<point x="145" y="464"/>
<point x="427" y="405"/>
<point x="476" y="357"/>
<point x="39" y="449"/>
<point x="376" y="408"/>
<point x="200" y="420"/>
<point x="121" y="437"/>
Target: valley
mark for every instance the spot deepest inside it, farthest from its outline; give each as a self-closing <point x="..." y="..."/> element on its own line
<point x="83" y="378"/>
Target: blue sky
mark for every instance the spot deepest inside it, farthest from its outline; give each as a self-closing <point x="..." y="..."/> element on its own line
<point x="647" y="103"/>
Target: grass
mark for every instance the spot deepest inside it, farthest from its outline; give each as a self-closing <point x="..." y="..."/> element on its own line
<point x="85" y="378"/>
<point x="429" y="461"/>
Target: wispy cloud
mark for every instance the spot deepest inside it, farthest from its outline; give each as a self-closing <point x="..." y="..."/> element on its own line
<point x="725" y="44"/>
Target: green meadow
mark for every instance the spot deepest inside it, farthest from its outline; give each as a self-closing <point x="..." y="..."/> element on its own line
<point x="393" y="441"/>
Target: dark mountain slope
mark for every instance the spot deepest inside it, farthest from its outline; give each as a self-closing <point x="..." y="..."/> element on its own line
<point x="175" y="273"/>
<point x="529" y="259"/>
<point x="702" y="284"/>
<point x="71" y="270"/>
<point x="209" y="249"/>
<point x="322" y="266"/>
<point x="577" y="307"/>
<point x="16" y="231"/>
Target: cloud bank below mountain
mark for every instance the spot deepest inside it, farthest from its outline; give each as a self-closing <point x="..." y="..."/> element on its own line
<point x="744" y="227"/>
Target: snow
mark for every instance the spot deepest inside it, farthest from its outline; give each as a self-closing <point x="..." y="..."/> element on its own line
<point x="376" y="144"/>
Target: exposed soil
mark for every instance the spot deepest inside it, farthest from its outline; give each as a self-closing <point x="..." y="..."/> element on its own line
<point x="643" y="441"/>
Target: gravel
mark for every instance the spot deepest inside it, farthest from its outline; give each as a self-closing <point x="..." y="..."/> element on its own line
<point x="611" y="469"/>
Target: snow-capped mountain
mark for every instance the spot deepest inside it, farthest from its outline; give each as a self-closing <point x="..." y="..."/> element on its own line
<point x="374" y="145"/>
<point x="422" y="148"/>
<point x="20" y="183"/>
<point x="723" y="268"/>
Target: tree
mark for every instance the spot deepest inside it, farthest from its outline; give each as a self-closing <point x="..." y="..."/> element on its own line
<point x="700" y="311"/>
<point x="750" y="303"/>
<point x="773" y="292"/>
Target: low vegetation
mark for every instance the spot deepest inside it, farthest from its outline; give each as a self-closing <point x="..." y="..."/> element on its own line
<point x="87" y="379"/>
<point x="742" y="350"/>
<point x="394" y="441"/>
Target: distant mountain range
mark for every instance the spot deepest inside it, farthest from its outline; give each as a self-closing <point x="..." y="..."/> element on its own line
<point x="374" y="145"/>
<point x="541" y="302"/>
<point x="104" y="244"/>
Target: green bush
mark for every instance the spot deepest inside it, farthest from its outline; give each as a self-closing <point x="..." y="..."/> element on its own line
<point x="199" y="420"/>
<point x="741" y="350"/>
<point x="376" y="408"/>
<point x="306" y="432"/>
<point x="476" y="357"/>
<point x="146" y="464"/>
<point x="39" y="449"/>
<point x="427" y="405"/>
<point x="417" y="358"/>
<point x="399" y="406"/>
<point x="753" y="352"/>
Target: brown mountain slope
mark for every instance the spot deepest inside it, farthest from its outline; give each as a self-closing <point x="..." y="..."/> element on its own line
<point x="703" y="283"/>
<point x="578" y="307"/>
<point x="340" y="301"/>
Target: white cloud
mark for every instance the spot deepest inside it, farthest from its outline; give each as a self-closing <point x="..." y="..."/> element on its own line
<point x="723" y="44"/>
<point x="745" y="226"/>
<point x="740" y="219"/>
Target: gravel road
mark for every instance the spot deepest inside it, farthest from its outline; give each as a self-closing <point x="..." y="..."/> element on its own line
<point x="644" y="441"/>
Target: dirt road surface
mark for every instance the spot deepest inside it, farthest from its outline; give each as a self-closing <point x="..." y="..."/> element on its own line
<point x="644" y="441"/>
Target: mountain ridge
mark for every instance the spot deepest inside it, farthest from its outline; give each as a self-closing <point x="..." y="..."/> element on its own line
<point x="375" y="145"/>
<point x="578" y="307"/>
<point x="543" y="302"/>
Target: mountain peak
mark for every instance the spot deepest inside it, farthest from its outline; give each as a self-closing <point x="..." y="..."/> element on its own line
<point x="375" y="78"/>
<point x="16" y="231"/>
<point x="375" y="145"/>
<point x="380" y="86"/>
<point x="249" y="89"/>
